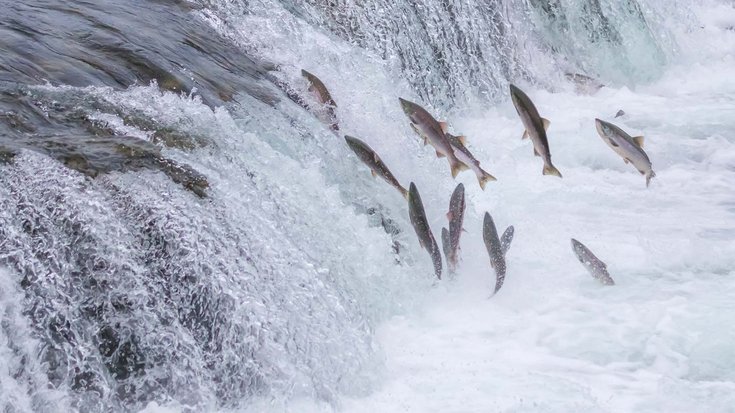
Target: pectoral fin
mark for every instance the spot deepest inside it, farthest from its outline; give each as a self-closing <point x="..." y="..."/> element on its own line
<point x="525" y="135"/>
<point x="626" y="160"/>
<point x="462" y="139"/>
<point x="450" y="216"/>
<point x="373" y="173"/>
<point x="440" y="155"/>
<point x="638" y="141"/>
<point x="443" y="125"/>
<point x="612" y="142"/>
<point x="426" y="141"/>
<point x="535" y="152"/>
<point x="546" y="123"/>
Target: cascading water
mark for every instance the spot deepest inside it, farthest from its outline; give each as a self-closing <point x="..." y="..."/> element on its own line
<point x="175" y="230"/>
<point x="465" y="51"/>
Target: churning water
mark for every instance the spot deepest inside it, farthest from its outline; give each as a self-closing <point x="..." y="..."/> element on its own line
<point x="176" y="234"/>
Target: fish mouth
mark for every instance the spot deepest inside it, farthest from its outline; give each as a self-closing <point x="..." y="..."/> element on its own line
<point x="406" y="106"/>
<point x="515" y="92"/>
<point x="600" y="126"/>
<point x="515" y="97"/>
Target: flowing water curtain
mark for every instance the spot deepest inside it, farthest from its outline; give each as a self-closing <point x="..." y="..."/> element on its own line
<point x="612" y="39"/>
<point x="448" y="50"/>
<point x="454" y="51"/>
<point x="137" y="290"/>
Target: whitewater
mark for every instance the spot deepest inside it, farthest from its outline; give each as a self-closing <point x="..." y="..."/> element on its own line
<point x="298" y="284"/>
<point x="554" y="339"/>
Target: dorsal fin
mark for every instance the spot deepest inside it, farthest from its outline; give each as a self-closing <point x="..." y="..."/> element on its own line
<point x="443" y="125"/>
<point x="638" y="141"/>
<point x="546" y="123"/>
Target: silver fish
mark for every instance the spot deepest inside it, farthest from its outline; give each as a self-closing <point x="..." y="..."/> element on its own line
<point x="597" y="268"/>
<point x="584" y="84"/>
<point x="464" y="155"/>
<point x="428" y="127"/>
<point x="368" y="156"/>
<point x="629" y="148"/>
<point x="494" y="249"/>
<point x="321" y="94"/>
<point x="421" y="225"/>
<point x="450" y="238"/>
<point x="535" y="127"/>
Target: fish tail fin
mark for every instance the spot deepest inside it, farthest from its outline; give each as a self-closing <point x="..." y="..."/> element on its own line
<point x="455" y="170"/>
<point x="551" y="170"/>
<point x="457" y="166"/>
<point x="404" y="192"/>
<point x="484" y="179"/>
<point x="649" y="176"/>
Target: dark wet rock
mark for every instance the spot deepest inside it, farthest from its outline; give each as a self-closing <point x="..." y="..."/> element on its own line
<point x="102" y="44"/>
<point x="67" y="135"/>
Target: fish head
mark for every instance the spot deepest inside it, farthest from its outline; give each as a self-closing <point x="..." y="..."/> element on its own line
<point x="409" y="108"/>
<point x="352" y="141"/>
<point x="518" y="97"/>
<point x="414" y="199"/>
<point x="458" y="194"/>
<point x="413" y="196"/>
<point x="360" y="148"/>
<point x="605" y="129"/>
<point x="578" y="249"/>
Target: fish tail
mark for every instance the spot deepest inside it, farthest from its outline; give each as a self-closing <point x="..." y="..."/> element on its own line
<point x="457" y="166"/>
<point x="484" y="178"/>
<point x="404" y="192"/>
<point x="499" y="282"/>
<point x="551" y="170"/>
<point x="649" y="176"/>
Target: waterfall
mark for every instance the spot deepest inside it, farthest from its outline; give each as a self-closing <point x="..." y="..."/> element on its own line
<point x="174" y="228"/>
